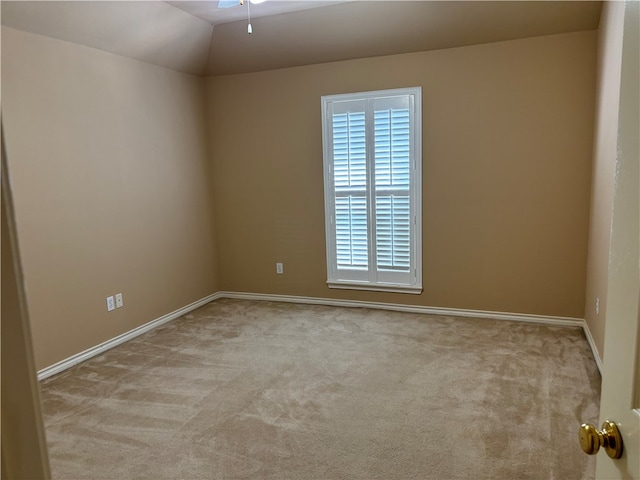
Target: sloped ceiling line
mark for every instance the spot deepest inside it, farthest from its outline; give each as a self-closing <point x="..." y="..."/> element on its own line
<point x="171" y="34"/>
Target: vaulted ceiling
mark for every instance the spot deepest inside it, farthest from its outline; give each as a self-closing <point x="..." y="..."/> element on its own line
<point x="196" y="37"/>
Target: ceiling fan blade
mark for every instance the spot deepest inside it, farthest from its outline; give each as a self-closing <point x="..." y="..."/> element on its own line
<point x="228" y="3"/>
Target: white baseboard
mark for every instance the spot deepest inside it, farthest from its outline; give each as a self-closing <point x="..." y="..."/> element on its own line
<point x="592" y="344"/>
<point x="454" y="312"/>
<point x="103" y="347"/>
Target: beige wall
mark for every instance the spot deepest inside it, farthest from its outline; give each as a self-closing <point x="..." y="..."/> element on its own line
<point x="604" y="162"/>
<point x="120" y="168"/>
<point x="507" y="169"/>
<point x="112" y="189"/>
<point x="24" y="449"/>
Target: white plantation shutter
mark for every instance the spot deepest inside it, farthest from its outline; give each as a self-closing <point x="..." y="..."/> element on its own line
<point x="392" y="188"/>
<point x="372" y="156"/>
<point x="350" y="180"/>
<point x="393" y="232"/>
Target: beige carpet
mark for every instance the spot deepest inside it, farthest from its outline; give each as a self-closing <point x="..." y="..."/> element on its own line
<point x="261" y="390"/>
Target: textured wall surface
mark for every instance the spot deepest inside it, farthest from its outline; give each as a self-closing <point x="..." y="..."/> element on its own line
<point x="112" y="189"/>
<point x="605" y="142"/>
<point x="507" y="145"/>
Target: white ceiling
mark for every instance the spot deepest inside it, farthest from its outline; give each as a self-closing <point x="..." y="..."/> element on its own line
<point x="374" y="28"/>
<point x="208" y="10"/>
<point x="196" y="37"/>
<point x="153" y="32"/>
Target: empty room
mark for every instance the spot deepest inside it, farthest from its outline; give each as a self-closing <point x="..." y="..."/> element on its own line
<point x="320" y="239"/>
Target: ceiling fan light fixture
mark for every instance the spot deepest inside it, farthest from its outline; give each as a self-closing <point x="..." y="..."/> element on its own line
<point x="236" y="3"/>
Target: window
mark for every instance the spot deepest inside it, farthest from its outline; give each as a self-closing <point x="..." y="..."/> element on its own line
<point x="372" y="176"/>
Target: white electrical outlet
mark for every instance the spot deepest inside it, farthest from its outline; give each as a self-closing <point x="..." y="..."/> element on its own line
<point x="597" y="306"/>
<point x="279" y="268"/>
<point x="119" y="301"/>
<point x="111" y="304"/>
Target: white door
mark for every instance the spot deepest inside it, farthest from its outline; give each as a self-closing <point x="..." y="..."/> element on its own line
<point x="620" y="400"/>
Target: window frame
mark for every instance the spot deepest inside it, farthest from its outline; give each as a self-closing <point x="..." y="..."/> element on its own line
<point x="374" y="279"/>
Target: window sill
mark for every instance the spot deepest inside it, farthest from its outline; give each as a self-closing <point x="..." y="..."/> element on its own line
<point x="417" y="290"/>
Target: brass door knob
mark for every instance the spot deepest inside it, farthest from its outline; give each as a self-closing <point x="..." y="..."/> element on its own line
<point x="591" y="439"/>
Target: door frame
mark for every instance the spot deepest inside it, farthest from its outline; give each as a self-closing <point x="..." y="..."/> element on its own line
<point x="621" y="368"/>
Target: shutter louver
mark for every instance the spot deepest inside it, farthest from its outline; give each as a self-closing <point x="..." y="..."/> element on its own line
<point x="350" y="180"/>
<point x="351" y="232"/>
<point x="393" y="212"/>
